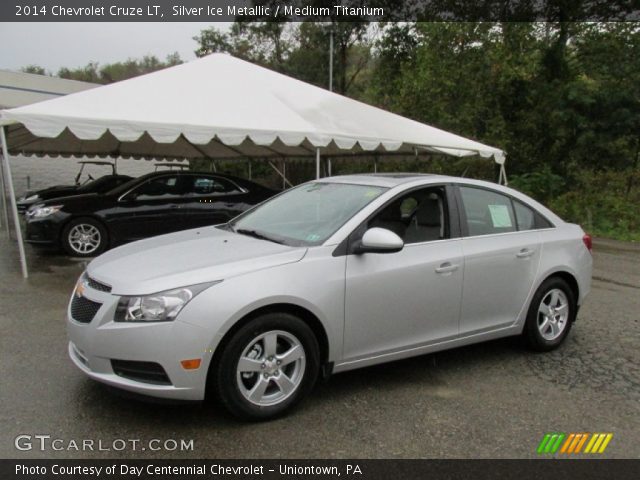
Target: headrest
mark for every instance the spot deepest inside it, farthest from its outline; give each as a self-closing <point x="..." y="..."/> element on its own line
<point x="428" y="213"/>
<point x="391" y="213"/>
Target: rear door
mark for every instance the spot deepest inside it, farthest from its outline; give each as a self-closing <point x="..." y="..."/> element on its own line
<point x="501" y="260"/>
<point x="210" y="200"/>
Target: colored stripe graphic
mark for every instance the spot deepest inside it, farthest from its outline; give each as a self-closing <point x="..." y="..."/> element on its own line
<point x="568" y="442"/>
<point x="573" y="443"/>
<point x="555" y="447"/>
<point x="606" y="441"/>
<point x="543" y="443"/>
<point x="581" y="442"/>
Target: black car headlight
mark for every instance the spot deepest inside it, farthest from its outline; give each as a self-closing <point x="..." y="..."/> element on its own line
<point x="43" y="211"/>
<point x="158" y="307"/>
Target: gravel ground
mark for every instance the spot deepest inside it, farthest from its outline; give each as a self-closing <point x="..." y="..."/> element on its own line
<point x="493" y="400"/>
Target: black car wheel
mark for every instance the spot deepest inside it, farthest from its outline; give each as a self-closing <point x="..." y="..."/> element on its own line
<point x="84" y="237"/>
<point x="267" y="366"/>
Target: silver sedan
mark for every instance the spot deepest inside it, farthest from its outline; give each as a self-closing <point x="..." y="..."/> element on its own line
<point x="332" y="275"/>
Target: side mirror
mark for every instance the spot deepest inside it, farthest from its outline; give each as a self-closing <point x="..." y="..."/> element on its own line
<point x="379" y="240"/>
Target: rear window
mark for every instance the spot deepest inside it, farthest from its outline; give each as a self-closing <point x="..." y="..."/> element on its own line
<point x="487" y="212"/>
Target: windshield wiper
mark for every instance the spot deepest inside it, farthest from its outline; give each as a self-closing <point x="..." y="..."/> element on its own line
<point x="259" y="235"/>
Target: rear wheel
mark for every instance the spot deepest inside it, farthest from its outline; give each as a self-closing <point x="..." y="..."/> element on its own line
<point x="551" y="314"/>
<point x="267" y="366"/>
<point x="84" y="237"/>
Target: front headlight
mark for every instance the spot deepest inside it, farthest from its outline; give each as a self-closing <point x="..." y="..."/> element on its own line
<point x="158" y="307"/>
<point x="43" y="211"/>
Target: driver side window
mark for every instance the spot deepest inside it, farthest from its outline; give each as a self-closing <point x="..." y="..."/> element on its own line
<point x="157" y="188"/>
<point x="416" y="217"/>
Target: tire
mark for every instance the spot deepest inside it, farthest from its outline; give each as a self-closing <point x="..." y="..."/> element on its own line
<point x="84" y="237"/>
<point x="267" y="389"/>
<point x="546" y="329"/>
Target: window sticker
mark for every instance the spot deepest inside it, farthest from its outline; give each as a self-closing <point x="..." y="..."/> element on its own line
<point x="313" y="237"/>
<point x="500" y="216"/>
<point x="372" y="193"/>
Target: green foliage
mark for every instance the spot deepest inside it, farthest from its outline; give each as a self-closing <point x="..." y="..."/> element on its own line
<point x="541" y="185"/>
<point x="115" y="72"/>
<point x="35" y="69"/>
<point x="599" y="203"/>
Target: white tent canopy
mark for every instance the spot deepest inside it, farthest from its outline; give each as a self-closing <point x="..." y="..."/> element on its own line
<point x="216" y="107"/>
<point x="219" y="107"/>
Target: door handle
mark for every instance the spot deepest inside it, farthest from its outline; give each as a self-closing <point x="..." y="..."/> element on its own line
<point x="447" y="267"/>
<point x="525" y="253"/>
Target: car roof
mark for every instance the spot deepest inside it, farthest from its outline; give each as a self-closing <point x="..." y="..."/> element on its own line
<point x="388" y="180"/>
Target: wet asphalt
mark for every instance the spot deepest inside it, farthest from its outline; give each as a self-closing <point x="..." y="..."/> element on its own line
<point x="492" y="400"/>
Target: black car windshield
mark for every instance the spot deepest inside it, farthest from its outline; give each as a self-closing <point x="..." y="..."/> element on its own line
<point x="308" y="214"/>
<point x="97" y="184"/>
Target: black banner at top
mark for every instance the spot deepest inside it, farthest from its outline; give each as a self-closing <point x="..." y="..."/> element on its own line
<point x="317" y="10"/>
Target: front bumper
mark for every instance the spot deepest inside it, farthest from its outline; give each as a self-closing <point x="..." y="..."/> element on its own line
<point x="93" y="346"/>
<point x="42" y="232"/>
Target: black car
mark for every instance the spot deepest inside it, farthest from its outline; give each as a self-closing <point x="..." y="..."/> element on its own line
<point x="100" y="185"/>
<point x="156" y="203"/>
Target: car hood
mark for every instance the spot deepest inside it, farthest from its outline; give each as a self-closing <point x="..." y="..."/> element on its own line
<point x="51" y="192"/>
<point x="186" y="258"/>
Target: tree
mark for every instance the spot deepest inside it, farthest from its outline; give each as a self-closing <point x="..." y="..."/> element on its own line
<point x="115" y="72"/>
<point x="35" y="69"/>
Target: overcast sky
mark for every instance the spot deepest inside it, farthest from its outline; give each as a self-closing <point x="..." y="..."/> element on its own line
<point x="55" y="45"/>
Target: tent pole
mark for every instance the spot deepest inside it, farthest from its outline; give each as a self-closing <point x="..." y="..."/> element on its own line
<point x="14" y="207"/>
<point x="4" y="199"/>
<point x="502" y="179"/>
<point x="329" y="166"/>
<point x="284" y="174"/>
<point x="317" y="163"/>
<point x="285" y="181"/>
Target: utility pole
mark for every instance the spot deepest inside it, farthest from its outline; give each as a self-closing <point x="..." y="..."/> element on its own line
<point x="331" y="59"/>
<point x="330" y="82"/>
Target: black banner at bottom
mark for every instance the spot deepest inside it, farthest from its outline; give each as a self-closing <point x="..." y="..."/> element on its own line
<point x="560" y="469"/>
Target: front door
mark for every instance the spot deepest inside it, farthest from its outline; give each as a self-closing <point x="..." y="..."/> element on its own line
<point x="404" y="300"/>
<point x="151" y="209"/>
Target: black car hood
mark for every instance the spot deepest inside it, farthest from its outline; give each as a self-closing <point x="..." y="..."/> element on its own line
<point x="77" y="202"/>
<point x="53" y="192"/>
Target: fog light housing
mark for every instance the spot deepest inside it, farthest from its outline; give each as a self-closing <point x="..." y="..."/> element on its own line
<point x="192" y="364"/>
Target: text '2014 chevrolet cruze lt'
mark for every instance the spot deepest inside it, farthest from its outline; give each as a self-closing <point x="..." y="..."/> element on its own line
<point x="332" y="275"/>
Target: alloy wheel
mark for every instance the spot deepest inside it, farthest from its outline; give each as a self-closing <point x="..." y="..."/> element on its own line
<point x="84" y="238"/>
<point x="553" y="314"/>
<point x="271" y="368"/>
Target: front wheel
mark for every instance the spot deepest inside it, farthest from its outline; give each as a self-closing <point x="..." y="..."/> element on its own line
<point x="267" y="366"/>
<point x="551" y="314"/>
<point x="84" y="237"/>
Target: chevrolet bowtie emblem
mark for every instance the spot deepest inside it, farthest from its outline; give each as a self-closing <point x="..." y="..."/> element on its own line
<point x="79" y="290"/>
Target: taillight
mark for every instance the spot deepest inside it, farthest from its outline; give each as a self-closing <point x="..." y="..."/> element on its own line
<point x="586" y="239"/>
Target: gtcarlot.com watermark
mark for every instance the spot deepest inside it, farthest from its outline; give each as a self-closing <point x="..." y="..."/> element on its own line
<point x="49" y="443"/>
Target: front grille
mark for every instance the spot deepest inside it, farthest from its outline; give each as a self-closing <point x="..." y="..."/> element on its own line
<point x="83" y="310"/>
<point x="146" y="372"/>
<point x="96" y="285"/>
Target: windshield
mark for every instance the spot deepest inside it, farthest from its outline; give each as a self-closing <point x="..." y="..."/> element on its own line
<point x="308" y="214"/>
